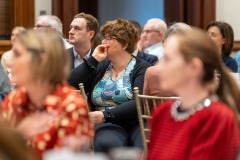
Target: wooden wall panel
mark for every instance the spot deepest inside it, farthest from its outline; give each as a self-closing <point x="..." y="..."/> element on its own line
<point x="193" y="12"/>
<point x="5" y="18"/>
<point x="236" y="46"/>
<point x="209" y="12"/>
<point x="23" y="13"/>
<point x="200" y="13"/>
<point x="65" y="10"/>
<point x="14" y="13"/>
<point x="174" y="11"/>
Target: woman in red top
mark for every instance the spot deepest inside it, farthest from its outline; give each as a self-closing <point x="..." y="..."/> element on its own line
<point x="200" y="125"/>
<point x="44" y="108"/>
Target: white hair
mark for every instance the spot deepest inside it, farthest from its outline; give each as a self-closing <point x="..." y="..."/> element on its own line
<point x="54" y="22"/>
<point x="159" y="24"/>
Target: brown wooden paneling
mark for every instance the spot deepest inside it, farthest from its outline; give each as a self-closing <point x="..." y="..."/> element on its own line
<point x="193" y="12"/>
<point x="5" y="18"/>
<point x="14" y="13"/>
<point x="209" y="12"/>
<point x="65" y="10"/>
<point x="174" y="11"/>
<point x="236" y="46"/>
<point x="194" y="15"/>
<point x="23" y="13"/>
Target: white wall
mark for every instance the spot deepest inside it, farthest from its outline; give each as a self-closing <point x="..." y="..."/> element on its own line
<point x="42" y="6"/>
<point x="139" y="10"/>
<point x="228" y="11"/>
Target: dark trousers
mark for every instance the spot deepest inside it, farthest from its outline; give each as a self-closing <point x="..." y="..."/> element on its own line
<point x="108" y="136"/>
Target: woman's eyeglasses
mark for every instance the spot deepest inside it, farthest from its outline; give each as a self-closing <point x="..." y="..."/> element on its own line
<point x="108" y="38"/>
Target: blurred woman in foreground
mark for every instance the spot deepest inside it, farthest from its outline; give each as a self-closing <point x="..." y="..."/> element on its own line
<point x="200" y="125"/>
<point x="45" y="109"/>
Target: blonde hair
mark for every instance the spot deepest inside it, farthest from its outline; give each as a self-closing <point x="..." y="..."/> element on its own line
<point x="19" y="28"/>
<point x="50" y="61"/>
<point x="176" y="28"/>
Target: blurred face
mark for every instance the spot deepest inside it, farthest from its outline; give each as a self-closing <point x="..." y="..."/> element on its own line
<point x="150" y="35"/>
<point x="78" y="34"/>
<point x="20" y="64"/>
<point x="42" y="24"/>
<point x="15" y="32"/>
<point x="214" y="33"/>
<point x="174" y="70"/>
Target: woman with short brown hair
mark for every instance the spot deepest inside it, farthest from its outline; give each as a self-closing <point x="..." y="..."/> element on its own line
<point x="109" y="77"/>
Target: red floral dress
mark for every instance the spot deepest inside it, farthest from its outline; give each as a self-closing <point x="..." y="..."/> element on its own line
<point x="70" y="112"/>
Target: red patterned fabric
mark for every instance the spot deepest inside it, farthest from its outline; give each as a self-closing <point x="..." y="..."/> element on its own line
<point x="210" y="134"/>
<point x="70" y="115"/>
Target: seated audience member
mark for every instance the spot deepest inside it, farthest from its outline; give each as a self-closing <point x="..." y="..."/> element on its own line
<point x="44" y="108"/>
<point x="152" y="37"/>
<point x="222" y="34"/>
<point x="51" y="22"/>
<point x="7" y="55"/>
<point x="200" y="125"/>
<point x="152" y="76"/>
<point x="109" y="77"/>
<point x="4" y="84"/>
<point x="83" y="30"/>
<point x="147" y="57"/>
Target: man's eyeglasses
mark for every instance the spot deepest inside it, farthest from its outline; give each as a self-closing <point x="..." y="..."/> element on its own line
<point x="108" y="38"/>
<point x="41" y="26"/>
<point x="149" y="31"/>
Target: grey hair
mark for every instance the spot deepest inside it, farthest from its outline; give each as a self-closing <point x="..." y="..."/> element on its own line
<point x="54" y="22"/>
<point x="178" y="27"/>
<point x="159" y="24"/>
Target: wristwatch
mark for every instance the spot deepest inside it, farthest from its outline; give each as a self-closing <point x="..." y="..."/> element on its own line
<point x="108" y="116"/>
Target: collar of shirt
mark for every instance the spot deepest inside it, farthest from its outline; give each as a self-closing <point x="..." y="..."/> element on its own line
<point x="76" y="56"/>
<point x="152" y="47"/>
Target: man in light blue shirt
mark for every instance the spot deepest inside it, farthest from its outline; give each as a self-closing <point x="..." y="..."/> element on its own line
<point x="152" y="37"/>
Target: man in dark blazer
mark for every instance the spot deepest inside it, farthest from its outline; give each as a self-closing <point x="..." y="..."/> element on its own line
<point x="147" y="57"/>
<point x="83" y="29"/>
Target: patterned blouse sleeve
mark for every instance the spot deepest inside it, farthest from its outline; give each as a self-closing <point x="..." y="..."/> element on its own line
<point x="74" y="120"/>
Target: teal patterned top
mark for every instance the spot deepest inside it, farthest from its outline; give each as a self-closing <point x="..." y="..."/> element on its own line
<point x="110" y="93"/>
